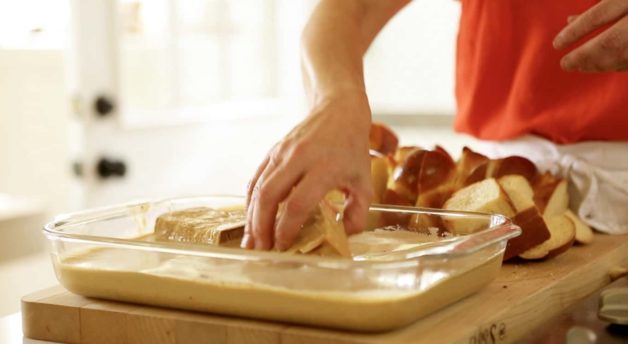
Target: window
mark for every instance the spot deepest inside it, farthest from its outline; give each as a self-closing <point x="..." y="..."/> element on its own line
<point x="180" y="60"/>
<point x="189" y="55"/>
<point x="173" y="60"/>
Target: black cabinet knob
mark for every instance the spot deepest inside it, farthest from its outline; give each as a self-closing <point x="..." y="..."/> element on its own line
<point x="103" y="106"/>
<point x="107" y="168"/>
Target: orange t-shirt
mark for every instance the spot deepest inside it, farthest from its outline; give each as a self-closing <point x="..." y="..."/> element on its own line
<point x="509" y="81"/>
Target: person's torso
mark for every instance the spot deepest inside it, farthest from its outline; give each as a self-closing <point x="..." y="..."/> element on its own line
<point x="509" y="81"/>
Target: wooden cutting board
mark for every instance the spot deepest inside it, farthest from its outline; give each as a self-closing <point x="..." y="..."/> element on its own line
<point x="524" y="296"/>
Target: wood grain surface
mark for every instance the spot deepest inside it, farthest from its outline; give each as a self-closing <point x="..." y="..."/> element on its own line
<point x="580" y="322"/>
<point x="523" y="297"/>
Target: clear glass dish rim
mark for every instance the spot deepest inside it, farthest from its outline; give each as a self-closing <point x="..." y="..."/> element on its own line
<point x="453" y="247"/>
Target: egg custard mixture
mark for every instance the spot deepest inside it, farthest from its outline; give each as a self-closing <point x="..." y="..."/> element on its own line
<point x="357" y="283"/>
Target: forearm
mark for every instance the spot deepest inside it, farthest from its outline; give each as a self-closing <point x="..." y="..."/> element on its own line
<point x="328" y="150"/>
<point x="334" y="42"/>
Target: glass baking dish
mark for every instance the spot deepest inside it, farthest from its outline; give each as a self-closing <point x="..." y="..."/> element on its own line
<point x="99" y="253"/>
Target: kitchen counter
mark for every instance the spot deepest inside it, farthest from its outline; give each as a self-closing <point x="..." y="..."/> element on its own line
<point x="582" y="318"/>
<point x="580" y="323"/>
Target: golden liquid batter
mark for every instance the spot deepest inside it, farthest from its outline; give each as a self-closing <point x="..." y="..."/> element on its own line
<point x="364" y="299"/>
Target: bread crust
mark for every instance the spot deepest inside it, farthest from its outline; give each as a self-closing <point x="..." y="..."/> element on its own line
<point x="431" y="179"/>
<point x="550" y="191"/>
<point x="534" y="232"/>
<point x="382" y="139"/>
<point x="584" y="233"/>
<point x="562" y="236"/>
<point x="421" y="171"/>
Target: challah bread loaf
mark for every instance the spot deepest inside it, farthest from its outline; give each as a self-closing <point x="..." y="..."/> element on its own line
<point x="421" y="171"/>
<point x="402" y="153"/>
<point x="392" y="163"/>
<point x="466" y="168"/>
<point x="584" y="233"/>
<point x="434" y="198"/>
<point x="394" y="218"/>
<point x="437" y="170"/>
<point x="436" y="185"/>
<point x="519" y="190"/>
<point x="485" y="196"/>
<point x="503" y="167"/>
<point x="404" y="179"/>
<point x="511" y="186"/>
<point x="424" y="179"/>
<point x="550" y="195"/>
<point x="440" y="149"/>
<point x="562" y="235"/>
<point x="513" y="165"/>
<point x="552" y="200"/>
<point x="382" y="139"/>
<point x="381" y="168"/>
<point x="534" y="231"/>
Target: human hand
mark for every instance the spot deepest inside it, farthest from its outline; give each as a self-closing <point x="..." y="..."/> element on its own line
<point x="328" y="150"/>
<point x="605" y="52"/>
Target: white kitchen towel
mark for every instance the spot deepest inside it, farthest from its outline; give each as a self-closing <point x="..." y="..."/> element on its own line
<point x="597" y="172"/>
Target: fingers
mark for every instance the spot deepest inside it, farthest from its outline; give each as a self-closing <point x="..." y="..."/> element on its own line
<point x="253" y="181"/>
<point x="308" y="193"/>
<point x="356" y="211"/>
<point x="316" y="156"/>
<point x="271" y="188"/>
<point x="604" y="12"/>
<point x="248" y="241"/>
<point x="606" y="52"/>
<point x="298" y="206"/>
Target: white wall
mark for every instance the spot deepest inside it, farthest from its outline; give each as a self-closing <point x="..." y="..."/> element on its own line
<point x="34" y="127"/>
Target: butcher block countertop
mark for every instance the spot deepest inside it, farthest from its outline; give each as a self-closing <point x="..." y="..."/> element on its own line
<point x="524" y="296"/>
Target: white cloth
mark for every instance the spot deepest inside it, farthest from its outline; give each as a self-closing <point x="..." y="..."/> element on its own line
<point x="597" y="173"/>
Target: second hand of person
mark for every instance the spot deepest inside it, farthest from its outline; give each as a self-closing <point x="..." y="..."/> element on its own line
<point x="330" y="148"/>
<point x="606" y="52"/>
